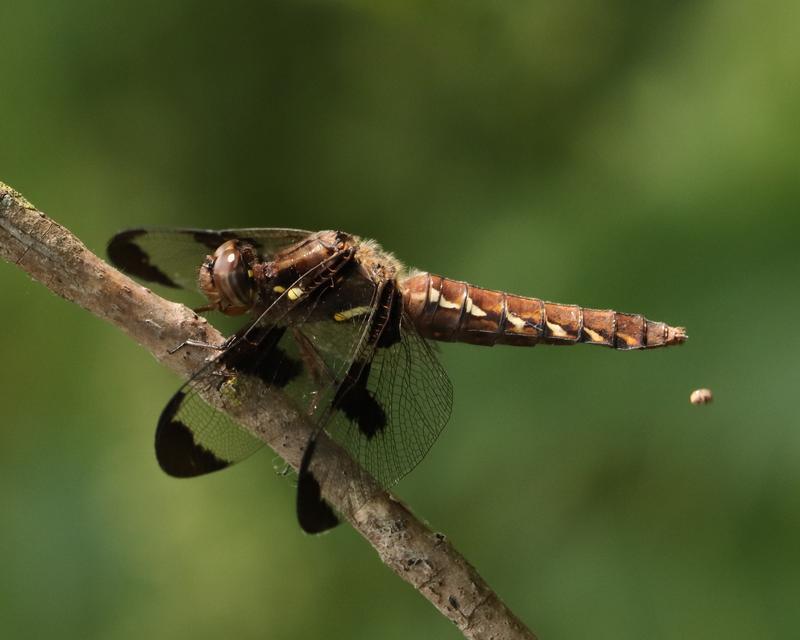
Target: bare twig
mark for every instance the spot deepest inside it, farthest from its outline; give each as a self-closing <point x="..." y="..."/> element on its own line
<point x="52" y="255"/>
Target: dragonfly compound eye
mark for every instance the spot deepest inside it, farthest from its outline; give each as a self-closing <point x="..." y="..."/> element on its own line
<point x="226" y="280"/>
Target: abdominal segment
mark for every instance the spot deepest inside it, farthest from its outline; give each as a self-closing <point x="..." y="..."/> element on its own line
<point x="453" y="311"/>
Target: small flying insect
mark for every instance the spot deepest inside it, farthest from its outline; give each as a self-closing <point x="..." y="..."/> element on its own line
<point x="701" y="396"/>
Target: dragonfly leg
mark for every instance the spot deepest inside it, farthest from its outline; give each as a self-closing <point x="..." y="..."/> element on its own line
<point x="199" y="343"/>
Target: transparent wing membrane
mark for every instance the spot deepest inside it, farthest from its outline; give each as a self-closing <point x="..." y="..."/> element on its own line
<point x="403" y="401"/>
<point x="335" y="342"/>
<point x="194" y="438"/>
<point x="172" y="257"/>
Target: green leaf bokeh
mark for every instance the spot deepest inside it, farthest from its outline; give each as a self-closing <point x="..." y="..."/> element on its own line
<point x="641" y="156"/>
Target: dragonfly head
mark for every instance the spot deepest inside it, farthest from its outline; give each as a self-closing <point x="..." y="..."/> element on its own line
<point x="226" y="279"/>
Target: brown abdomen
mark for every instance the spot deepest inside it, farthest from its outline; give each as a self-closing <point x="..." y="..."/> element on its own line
<point x="452" y="311"/>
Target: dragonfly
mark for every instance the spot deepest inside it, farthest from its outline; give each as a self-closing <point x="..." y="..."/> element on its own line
<point x="344" y="330"/>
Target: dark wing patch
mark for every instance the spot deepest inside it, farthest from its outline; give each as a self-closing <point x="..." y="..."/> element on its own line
<point x="172" y="257"/>
<point x="358" y="403"/>
<point x="192" y="437"/>
<point x="126" y="254"/>
<point x="403" y="400"/>
<point x="416" y="396"/>
<point x="210" y="239"/>
<point x="314" y="514"/>
<point x="177" y="452"/>
<point x="278" y="370"/>
<point x="353" y="396"/>
<point x="261" y="356"/>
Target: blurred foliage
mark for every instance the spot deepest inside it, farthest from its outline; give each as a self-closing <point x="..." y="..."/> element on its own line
<point x="641" y="156"/>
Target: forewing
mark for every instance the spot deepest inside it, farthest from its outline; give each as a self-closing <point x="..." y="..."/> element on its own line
<point x="172" y="257"/>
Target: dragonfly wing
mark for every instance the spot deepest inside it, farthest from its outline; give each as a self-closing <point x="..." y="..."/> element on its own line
<point x="193" y="437"/>
<point x="386" y="411"/>
<point x="172" y="257"/>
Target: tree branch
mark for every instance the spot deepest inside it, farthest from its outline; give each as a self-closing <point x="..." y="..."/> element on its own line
<point x="52" y="255"/>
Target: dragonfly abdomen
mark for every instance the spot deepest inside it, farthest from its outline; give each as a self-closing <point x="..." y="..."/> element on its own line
<point x="452" y="311"/>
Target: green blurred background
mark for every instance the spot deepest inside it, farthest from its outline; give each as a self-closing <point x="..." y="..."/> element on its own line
<point x="641" y="156"/>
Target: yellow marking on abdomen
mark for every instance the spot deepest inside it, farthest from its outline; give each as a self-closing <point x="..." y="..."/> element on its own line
<point x="294" y="293"/>
<point x="630" y="340"/>
<point x="447" y="304"/>
<point x="593" y="335"/>
<point x="341" y="316"/>
<point x="278" y="289"/>
<point x="557" y="330"/>
<point x="515" y="320"/>
<point x="474" y="309"/>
